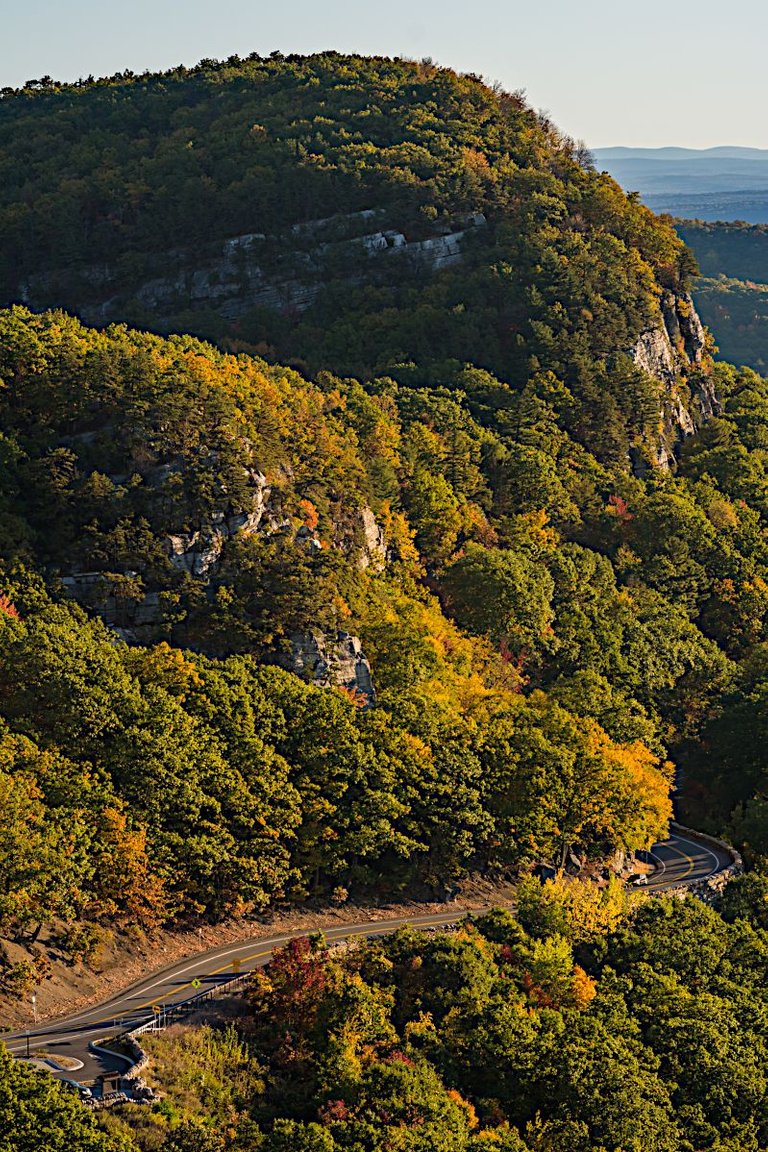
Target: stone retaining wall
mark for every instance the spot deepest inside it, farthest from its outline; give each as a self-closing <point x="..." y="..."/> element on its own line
<point x="710" y="889"/>
<point x="139" y="1055"/>
<point x="738" y="863"/>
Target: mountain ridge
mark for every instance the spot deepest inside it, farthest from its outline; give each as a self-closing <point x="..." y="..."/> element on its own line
<point x="673" y="152"/>
<point x="481" y="537"/>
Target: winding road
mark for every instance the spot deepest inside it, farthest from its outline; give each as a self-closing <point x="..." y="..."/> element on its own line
<point x="677" y="861"/>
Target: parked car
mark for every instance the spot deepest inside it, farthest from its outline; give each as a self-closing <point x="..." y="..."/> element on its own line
<point x="83" y="1092"/>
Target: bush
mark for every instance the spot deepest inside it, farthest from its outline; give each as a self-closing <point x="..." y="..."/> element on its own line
<point x="86" y="942"/>
<point x="20" y="979"/>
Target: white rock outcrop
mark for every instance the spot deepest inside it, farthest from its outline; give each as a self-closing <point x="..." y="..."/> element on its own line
<point x="654" y="354"/>
<point x="374" y="552"/>
<point x="331" y="660"/>
<point x="668" y="352"/>
<point x="198" y="552"/>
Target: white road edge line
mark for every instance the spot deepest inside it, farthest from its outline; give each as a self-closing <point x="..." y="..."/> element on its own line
<point x="695" y="844"/>
<point x="19" y="1039"/>
<point x="142" y="990"/>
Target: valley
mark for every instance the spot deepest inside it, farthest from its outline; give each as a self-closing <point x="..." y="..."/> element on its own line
<point x="382" y="537"/>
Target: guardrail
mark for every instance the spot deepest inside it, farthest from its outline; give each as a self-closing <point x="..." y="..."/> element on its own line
<point x="709" y="889"/>
<point x="175" y="1012"/>
<point x="138" y="1059"/>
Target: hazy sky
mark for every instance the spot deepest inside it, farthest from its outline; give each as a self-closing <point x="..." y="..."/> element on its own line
<point x="635" y="72"/>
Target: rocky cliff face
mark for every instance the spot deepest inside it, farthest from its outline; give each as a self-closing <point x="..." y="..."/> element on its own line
<point x="331" y="660"/>
<point x="140" y="616"/>
<point x="198" y="552"/>
<point x="242" y="273"/>
<point x="671" y="354"/>
<point x="374" y="553"/>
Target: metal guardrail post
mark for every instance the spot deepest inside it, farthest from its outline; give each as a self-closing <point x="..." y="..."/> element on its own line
<point x="160" y="1022"/>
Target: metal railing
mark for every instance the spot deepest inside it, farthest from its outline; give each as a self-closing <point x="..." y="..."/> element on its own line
<point x="173" y="1013"/>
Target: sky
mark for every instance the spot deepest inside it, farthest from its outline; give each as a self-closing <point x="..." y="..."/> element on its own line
<point x="642" y="73"/>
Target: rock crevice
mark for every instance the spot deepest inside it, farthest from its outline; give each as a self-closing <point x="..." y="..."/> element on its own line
<point x="674" y="354"/>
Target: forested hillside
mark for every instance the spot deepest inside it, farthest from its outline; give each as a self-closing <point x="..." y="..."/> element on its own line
<point x="447" y="554"/>
<point x="503" y="516"/>
<point x="541" y="627"/>
<point x="574" y="1027"/>
<point x="276" y="787"/>
<point x="736" y="311"/>
<point x="736" y="250"/>
<point x="361" y="215"/>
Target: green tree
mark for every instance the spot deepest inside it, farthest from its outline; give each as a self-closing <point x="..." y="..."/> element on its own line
<point x="37" y="1112"/>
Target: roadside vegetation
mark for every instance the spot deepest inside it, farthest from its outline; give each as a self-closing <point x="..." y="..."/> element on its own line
<point x="462" y="467"/>
<point x="591" y="1029"/>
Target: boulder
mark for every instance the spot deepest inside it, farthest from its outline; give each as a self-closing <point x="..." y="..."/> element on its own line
<point x="331" y="660"/>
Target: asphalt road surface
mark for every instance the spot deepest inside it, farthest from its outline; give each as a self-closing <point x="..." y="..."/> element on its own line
<point x="677" y="861"/>
<point x="680" y="861"/>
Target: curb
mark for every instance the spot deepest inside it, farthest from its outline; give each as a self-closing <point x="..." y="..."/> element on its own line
<point x="706" y="839"/>
<point x="94" y="1047"/>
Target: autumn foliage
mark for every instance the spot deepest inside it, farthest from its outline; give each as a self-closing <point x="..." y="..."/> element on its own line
<point x="7" y="608"/>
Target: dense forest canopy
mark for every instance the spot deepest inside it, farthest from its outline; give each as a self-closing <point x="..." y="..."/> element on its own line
<point x="260" y="144"/>
<point x="543" y="631"/>
<point x="259" y="764"/>
<point x="115" y="188"/>
<point x="737" y="313"/>
<point x="732" y="292"/>
<point x="548" y="611"/>
<point x="577" y="1025"/>
<point x="508" y="472"/>
<point x="732" y="249"/>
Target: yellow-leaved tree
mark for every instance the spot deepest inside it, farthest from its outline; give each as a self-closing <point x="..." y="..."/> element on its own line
<point x="576" y="909"/>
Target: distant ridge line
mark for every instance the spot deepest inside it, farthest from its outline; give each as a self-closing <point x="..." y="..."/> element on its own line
<point x="722" y="152"/>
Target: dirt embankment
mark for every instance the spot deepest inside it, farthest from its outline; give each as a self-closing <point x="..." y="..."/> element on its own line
<point x="129" y="954"/>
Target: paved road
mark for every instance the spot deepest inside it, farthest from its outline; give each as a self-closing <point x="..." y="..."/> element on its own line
<point x="677" y="861"/>
<point x="680" y="861"/>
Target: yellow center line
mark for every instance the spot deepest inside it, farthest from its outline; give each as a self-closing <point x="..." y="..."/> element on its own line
<point x="691" y="863"/>
<point x="365" y="930"/>
<point x="216" y="971"/>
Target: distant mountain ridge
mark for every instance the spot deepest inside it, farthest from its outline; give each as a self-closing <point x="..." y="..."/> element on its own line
<point x="723" y="183"/>
<point x="680" y="170"/>
<point x="722" y="152"/>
